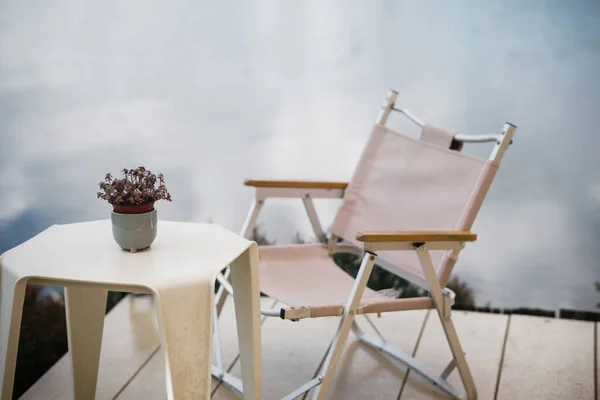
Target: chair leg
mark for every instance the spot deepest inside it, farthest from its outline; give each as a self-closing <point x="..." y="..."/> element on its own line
<point x="445" y="318"/>
<point x="459" y="360"/>
<point x="247" y="229"/>
<point x="346" y="323"/>
<point x="218" y="370"/>
<point x="222" y="294"/>
<point x="218" y="351"/>
<point x="459" y="357"/>
<point x="12" y="296"/>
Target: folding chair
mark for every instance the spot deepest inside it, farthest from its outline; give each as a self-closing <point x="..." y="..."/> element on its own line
<point x="409" y="207"/>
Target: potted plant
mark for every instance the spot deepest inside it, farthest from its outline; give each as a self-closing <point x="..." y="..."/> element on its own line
<point x="132" y="197"/>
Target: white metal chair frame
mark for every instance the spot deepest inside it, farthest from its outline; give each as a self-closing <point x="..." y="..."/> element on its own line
<point x="442" y="298"/>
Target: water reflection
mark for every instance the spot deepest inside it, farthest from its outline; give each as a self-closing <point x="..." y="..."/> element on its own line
<point x="210" y="94"/>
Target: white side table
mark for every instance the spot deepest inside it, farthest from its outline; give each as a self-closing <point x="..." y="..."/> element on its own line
<point x="179" y="270"/>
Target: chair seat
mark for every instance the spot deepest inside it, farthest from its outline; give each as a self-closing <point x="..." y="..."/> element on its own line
<point x="306" y="275"/>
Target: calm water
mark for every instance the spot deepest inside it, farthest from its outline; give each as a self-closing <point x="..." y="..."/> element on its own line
<point x="212" y="93"/>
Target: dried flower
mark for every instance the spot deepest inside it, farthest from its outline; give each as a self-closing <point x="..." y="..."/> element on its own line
<point x="139" y="186"/>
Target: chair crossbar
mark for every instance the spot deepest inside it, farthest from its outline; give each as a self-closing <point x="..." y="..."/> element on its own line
<point x="231" y="381"/>
<point x="304" y="388"/>
<point x="449" y="368"/>
<point x="461" y="137"/>
<point x="373" y="326"/>
<point x="391" y="305"/>
<point x="411" y="362"/>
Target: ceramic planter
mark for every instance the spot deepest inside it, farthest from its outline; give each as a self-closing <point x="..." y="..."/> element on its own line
<point x="134" y="230"/>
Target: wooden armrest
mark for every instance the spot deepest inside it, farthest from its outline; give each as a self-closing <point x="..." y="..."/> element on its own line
<point x="295" y="184"/>
<point x="416" y="236"/>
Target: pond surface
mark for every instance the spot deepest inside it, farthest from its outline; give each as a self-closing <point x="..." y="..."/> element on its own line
<point x="212" y="93"/>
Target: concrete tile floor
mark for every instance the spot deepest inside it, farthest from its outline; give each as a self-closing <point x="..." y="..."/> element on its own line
<point x="511" y="357"/>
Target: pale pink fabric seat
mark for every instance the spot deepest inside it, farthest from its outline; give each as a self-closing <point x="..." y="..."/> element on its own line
<point x="302" y="275"/>
<point x="305" y="275"/>
<point x="400" y="183"/>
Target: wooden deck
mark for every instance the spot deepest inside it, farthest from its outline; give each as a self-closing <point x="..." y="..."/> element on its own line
<point x="511" y="357"/>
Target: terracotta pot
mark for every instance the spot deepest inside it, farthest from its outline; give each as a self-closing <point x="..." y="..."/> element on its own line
<point x="133" y="208"/>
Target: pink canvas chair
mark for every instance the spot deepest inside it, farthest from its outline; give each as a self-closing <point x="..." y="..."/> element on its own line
<point x="409" y="207"/>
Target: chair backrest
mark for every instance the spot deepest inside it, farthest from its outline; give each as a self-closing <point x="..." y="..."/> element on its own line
<point x="402" y="183"/>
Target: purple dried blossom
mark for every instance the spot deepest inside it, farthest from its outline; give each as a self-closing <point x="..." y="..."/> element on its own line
<point x="138" y="186"/>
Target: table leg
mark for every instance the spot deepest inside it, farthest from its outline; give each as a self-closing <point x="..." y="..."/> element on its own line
<point x="12" y="296"/>
<point x="85" y="309"/>
<point x="245" y="282"/>
<point x="185" y="319"/>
